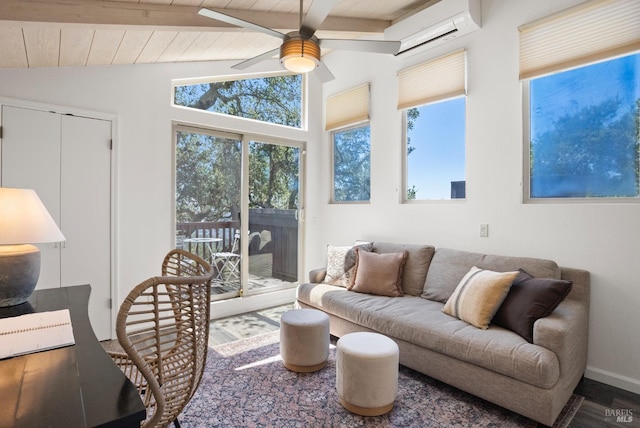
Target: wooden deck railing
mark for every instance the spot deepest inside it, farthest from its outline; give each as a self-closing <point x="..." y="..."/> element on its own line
<point x="224" y="230"/>
<point x="283" y="228"/>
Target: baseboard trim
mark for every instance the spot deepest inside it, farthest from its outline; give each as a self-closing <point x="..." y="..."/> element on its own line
<point x="241" y="305"/>
<point x="613" y="379"/>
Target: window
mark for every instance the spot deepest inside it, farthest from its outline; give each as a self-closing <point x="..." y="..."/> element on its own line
<point x="274" y="99"/>
<point x="431" y="96"/>
<point x="239" y="193"/>
<point x="347" y="116"/>
<point x="584" y="131"/>
<point x="351" y="165"/>
<point x="581" y="75"/>
<point x="436" y="150"/>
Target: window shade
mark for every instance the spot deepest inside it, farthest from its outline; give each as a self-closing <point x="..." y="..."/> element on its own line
<point x="591" y="32"/>
<point x="347" y="108"/>
<point x="435" y="80"/>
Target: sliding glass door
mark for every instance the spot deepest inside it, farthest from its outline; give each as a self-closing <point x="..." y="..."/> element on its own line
<point x="223" y="179"/>
<point x="208" y="200"/>
<point x="274" y="183"/>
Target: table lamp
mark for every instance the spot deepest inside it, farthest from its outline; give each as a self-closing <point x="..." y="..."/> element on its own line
<point x="23" y="221"/>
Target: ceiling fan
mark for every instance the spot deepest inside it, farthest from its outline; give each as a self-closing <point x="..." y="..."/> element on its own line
<point x="300" y="50"/>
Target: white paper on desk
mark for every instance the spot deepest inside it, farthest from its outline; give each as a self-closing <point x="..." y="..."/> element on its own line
<point x="40" y="331"/>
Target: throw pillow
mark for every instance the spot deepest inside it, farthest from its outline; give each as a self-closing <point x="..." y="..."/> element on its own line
<point x="479" y="295"/>
<point x="379" y="274"/>
<point x="341" y="262"/>
<point x="530" y="299"/>
<point x="415" y="269"/>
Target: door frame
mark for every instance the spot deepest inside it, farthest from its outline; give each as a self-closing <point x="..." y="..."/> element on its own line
<point x="91" y="114"/>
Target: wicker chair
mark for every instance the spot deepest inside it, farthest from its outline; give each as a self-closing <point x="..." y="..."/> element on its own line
<point x="163" y="327"/>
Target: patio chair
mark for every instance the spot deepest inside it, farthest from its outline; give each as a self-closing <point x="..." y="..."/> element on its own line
<point x="227" y="263"/>
<point x="163" y="327"/>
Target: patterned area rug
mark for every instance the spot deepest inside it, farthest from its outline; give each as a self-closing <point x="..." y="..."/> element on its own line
<point x="246" y="385"/>
<point x="231" y="329"/>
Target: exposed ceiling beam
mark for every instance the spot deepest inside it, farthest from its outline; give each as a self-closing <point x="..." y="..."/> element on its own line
<point x="151" y="16"/>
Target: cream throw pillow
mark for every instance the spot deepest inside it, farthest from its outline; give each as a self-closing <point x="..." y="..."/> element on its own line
<point x="335" y="265"/>
<point x="341" y="263"/>
<point x="478" y="296"/>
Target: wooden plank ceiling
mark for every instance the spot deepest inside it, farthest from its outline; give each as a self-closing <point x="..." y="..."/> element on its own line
<point x="58" y="33"/>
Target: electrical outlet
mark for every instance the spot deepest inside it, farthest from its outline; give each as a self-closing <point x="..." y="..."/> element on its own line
<point x="484" y="230"/>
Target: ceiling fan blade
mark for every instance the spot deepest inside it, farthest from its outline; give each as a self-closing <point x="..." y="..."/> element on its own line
<point x="239" y="22"/>
<point x="375" y="46"/>
<point x="323" y="73"/>
<point x="256" y="59"/>
<point x="317" y="13"/>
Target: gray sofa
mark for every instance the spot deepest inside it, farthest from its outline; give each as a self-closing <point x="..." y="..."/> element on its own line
<point x="533" y="379"/>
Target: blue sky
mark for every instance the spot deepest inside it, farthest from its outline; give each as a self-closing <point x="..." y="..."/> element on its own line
<point x="439" y="132"/>
<point x="439" y="156"/>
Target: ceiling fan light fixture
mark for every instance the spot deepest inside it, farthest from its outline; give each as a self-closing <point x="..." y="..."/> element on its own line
<point x="300" y="55"/>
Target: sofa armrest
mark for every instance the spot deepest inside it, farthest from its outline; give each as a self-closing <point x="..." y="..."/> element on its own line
<point x="317" y="275"/>
<point x="566" y="330"/>
<point x="566" y="333"/>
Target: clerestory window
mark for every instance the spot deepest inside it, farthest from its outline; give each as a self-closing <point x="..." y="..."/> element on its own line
<point x="273" y="99"/>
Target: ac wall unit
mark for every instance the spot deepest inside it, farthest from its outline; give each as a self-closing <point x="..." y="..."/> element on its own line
<point x="436" y="24"/>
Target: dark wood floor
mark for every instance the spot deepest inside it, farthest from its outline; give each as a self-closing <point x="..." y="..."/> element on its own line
<point x="603" y="406"/>
<point x="606" y="406"/>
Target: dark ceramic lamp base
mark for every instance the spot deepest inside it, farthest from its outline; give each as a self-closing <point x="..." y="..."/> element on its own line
<point x="19" y="272"/>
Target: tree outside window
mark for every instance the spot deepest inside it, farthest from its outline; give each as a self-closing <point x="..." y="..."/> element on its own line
<point x="585" y="127"/>
<point x="352" y="165"/>
<point x="276" y="99"/>
<point x="208" y="167"/>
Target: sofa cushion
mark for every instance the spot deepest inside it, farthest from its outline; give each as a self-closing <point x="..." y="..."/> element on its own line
<point x="530" y="299"/>
<point x="479" y="295"/>
<point x="379" y="274"/>
<point x="341" y="262"/>
<point x="416" y="267"/>
<point x="422" y="322"/>
<point x="448" y="267"/>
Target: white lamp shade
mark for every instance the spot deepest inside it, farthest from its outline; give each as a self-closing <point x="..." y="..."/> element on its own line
<point x="24" y="219"/>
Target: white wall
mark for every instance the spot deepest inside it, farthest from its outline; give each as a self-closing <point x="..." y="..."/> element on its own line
<point x="140" y="97"/>
<point x="602" y="238"/>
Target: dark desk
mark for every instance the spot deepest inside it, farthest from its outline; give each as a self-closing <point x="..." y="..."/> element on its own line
<point x="77" y="386"/>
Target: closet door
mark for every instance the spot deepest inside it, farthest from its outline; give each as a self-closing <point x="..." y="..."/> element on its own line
<point x="31" y="160"/>
<point x="86" y="213"/>
<point x="67" y="160"/>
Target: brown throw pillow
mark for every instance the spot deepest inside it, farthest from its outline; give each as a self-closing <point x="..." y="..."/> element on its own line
<point x="529" y="300"/>
<point x="479" y="295"/>
<point x="379" y="274"/>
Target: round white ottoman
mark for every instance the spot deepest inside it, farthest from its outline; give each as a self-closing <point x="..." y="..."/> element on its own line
<point x="367" y="373"/>
<point x="304" y="339"/>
